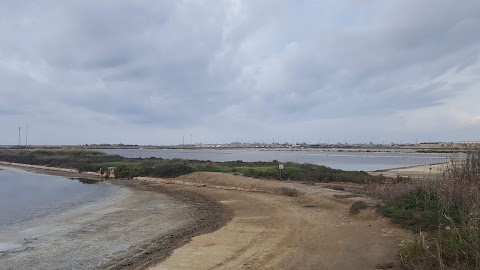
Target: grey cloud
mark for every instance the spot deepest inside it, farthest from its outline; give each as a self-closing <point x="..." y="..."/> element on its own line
<point x="199" y="64"/>
<point x="377" y="60"/>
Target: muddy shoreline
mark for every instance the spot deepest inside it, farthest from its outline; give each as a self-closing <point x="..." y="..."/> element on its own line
<point x="203" y="216"/>
<point x="209" y="217"/>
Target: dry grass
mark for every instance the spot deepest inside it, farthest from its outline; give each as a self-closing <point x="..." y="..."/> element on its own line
<point x="448" y="205"/>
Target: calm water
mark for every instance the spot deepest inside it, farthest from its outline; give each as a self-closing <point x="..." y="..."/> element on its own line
<point x="339" y="160"/>
<point x="25" y="196"/>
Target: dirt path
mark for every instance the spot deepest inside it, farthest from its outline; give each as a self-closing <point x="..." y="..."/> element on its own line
<point x="312" y="231"/>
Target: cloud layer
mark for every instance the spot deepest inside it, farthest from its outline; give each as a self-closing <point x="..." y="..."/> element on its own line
<point x="150" y="72"/>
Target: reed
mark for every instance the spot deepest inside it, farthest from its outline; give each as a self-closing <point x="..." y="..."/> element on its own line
<point x="443" y="212"/>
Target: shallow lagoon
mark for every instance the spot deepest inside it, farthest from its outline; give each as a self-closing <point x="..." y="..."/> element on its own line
<point x="367" y="161"/>
<point x="52" y="222"/>
<point x="26" y="195"/>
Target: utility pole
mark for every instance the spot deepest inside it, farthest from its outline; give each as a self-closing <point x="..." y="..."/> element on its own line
<point x="183" y="140"/>
<point x="19" y="138"/>
<point x="26" y="137"/>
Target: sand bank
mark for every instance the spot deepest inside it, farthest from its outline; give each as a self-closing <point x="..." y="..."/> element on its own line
<point x="53" y="170"/>
<point x="422" y="171"/>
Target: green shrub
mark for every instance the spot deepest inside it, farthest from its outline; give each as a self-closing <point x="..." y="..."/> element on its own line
<point x="418" y="210"/>
<point x="448" y="207"/>
<point x="169" y="169"/>
<point x="128" y="171"/>
<point x="357" y="207"/>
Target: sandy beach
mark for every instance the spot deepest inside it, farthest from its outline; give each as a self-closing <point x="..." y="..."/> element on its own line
<point x="224" y="221"/>
<point x="417" y="172"/>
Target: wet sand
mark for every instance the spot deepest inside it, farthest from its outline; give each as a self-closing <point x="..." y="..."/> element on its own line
<point x="139" y="226"/>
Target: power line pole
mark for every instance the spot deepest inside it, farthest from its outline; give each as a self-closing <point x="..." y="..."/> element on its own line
<point x="19" y="137"/>
<point x="26" y="137"/>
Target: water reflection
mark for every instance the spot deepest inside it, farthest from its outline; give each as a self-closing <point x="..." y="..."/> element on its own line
<point x="26" y="195"/>
<point x="86" y="180"/>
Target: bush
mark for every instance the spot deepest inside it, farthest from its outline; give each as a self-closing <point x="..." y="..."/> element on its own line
<point x="419" y="211"/>
<point x="448" y="207"/>
<point x="129" y="172"/>
<point x="169" y="169"/>
<point x="357" y="207"/>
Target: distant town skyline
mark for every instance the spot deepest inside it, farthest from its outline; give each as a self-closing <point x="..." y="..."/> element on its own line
<point x="142" y="72"/>
<point x="23" y="141"/>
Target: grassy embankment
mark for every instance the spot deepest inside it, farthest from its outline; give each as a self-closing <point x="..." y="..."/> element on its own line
<point x="444" y="213"/>
<point x="156" y="167"/>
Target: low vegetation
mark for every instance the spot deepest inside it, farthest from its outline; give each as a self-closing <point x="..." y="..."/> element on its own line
<point x="85" y="160"/>
<point x="443" y="212"/>
<point x="357" y="207"/>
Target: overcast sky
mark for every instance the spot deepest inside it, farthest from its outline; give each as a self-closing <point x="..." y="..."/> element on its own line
<point x="151" y="72"/>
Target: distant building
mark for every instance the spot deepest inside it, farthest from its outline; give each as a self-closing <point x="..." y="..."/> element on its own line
<point x="435" y="144"/>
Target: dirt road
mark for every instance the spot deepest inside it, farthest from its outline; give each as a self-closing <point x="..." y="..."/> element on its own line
<point x="268" y="231"/>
